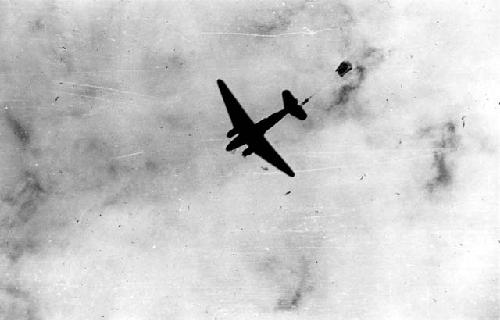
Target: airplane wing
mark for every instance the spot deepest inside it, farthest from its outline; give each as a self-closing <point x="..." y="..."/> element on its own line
<point x="237" y="114"/>
<point x="261" y="147"/>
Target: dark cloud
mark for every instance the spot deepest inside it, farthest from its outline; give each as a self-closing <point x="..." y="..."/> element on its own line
<point x="20" y="206"/>
<point x="449" y="138"/>
<point x="443" y="175"/>
<point x="25" y="196"/>
<point x="343" y="104"/>
<point x="443" y="165"/>
<point x="291" y="277"/>
<point x="291" y="302"/>
<point x="17" y="304"/>
<point x="344" y="93"/>
<point x="268" y="21"/>
<point x="22" y="132"/>
<point x="299" y="284"/>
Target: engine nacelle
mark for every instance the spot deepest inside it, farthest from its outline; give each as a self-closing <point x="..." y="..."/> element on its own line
<point x="231" y="132"/>
<point x="247" y="152"/>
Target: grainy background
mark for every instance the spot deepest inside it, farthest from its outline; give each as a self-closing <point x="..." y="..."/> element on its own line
<point x="118" y="200"/>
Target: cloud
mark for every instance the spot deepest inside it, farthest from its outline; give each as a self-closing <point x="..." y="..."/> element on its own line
<point x="21" y="133"/>
<point x="447" y="143"/>
<point x="119" y="201"/>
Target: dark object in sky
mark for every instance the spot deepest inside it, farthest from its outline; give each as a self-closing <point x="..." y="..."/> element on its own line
<point x="343" y="68"/>
<point x="288" y="192"/>
<point x="252" y="134"/>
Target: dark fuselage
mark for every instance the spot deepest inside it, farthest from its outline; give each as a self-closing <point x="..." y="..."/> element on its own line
<point x="259" y="128"/>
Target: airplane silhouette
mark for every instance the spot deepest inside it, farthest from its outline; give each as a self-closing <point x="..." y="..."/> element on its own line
<point x="252" y="134"/>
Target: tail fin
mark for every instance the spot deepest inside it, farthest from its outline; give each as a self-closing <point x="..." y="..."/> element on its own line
<point x="291" y="104"/>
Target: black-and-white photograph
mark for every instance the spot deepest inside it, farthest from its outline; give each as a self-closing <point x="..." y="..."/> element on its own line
<point x="260" y="159"/>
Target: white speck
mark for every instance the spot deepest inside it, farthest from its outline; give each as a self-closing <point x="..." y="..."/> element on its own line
<point x="128" y="155"/>
<point x="307" y="32"/>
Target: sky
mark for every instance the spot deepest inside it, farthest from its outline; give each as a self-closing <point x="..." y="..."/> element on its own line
<point x="119" y="201"/>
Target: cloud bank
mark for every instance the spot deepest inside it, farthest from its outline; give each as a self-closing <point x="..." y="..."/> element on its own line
<point x="118" y="200"/>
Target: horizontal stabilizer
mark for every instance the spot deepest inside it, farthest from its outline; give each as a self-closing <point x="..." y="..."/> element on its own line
<point x="291" y="104"/>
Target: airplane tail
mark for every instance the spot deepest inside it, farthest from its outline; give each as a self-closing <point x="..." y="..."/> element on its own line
<point x="291" y="105"/>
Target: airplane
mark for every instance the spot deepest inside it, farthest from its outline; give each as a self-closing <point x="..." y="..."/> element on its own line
<point x="252" y="134"/>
